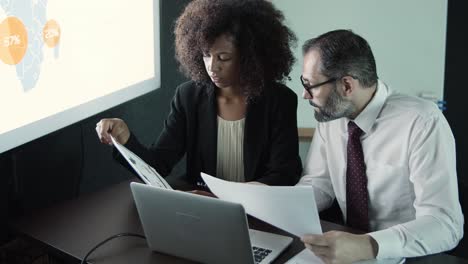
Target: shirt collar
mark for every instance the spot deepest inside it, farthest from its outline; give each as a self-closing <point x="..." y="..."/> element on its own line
<point x="366" y="119"/>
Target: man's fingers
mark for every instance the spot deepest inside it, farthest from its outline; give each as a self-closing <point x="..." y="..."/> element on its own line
<point x="316" y="240"/>
<point x="319" y="250"/>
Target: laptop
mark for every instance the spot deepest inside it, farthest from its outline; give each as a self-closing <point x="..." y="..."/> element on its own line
<point x="201" y="228"/>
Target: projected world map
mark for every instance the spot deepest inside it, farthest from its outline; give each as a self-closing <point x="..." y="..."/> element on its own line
<point x="23" y="34"/>
<point x="62" y="61"/>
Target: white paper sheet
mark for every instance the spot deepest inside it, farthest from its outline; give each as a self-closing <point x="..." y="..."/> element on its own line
<point x="307" y="257"/>
<point x="291" y="208"/>
<point x="145" y="172"/>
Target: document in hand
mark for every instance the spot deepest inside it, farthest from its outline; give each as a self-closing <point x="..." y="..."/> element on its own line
<point x="145" y="172"/>
<point x="291" y="208"/>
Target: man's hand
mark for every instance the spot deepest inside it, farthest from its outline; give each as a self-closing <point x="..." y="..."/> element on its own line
<point x="341" y="247"/>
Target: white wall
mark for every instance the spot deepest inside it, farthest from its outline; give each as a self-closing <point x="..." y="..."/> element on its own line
<point x="406" y="36"/>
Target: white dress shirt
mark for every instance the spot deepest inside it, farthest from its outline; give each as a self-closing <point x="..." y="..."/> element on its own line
<point x="409" y="151"/>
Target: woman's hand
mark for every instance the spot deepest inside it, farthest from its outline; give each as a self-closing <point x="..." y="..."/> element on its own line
<point x="112" y="127"/>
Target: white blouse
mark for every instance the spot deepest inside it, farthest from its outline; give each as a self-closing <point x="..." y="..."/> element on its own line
<point x="230" y="151"/>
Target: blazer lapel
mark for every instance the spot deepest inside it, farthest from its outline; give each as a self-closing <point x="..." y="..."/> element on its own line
<point x="208" y="131"/>
<point x="253" y="135"/>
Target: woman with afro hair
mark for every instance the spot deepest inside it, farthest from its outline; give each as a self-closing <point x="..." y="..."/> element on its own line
<point x="235" y="119"/>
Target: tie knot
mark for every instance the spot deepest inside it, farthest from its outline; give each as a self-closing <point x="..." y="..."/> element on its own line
<point x="354" y="130"/>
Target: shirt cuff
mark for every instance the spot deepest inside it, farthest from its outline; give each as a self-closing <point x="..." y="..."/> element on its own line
<point x="390" y="245"/>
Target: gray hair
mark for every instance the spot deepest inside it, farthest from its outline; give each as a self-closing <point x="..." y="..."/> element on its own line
<point x="344" y="53"/>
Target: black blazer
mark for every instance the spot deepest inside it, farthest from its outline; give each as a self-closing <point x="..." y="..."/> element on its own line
<point x="271" y="151"/>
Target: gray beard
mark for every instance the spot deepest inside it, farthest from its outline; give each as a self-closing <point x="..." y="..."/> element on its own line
<point x="335" y="107"/>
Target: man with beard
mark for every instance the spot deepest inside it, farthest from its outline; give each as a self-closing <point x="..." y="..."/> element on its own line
<point x="388" y="159"/>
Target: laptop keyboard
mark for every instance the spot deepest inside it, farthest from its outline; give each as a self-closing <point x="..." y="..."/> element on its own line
<point x="260" y="253"/>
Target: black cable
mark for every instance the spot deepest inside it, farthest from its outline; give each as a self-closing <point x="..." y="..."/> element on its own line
<point x="108" y="239"/>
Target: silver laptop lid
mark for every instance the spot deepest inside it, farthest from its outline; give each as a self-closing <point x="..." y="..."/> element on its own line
<point x="192" y="226"/>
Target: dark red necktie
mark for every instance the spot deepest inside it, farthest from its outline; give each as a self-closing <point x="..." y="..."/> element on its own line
<point x="357" y="196"/>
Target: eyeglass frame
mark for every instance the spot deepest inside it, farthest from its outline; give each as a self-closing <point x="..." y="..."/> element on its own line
<point x="308" y="88"/>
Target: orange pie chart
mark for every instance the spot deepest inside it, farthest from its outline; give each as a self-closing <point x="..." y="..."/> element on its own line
<point x="51" y="33"/>
<point x="13" y="40"/>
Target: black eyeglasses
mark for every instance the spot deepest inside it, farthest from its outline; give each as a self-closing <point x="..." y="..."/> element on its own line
<point x="309" y="87"/>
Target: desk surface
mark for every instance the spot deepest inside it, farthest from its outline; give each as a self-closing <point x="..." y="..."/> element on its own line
<point x="75" y="226"/>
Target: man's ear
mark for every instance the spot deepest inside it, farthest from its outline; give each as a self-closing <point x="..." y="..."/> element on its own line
<point x="348" y="85"/>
